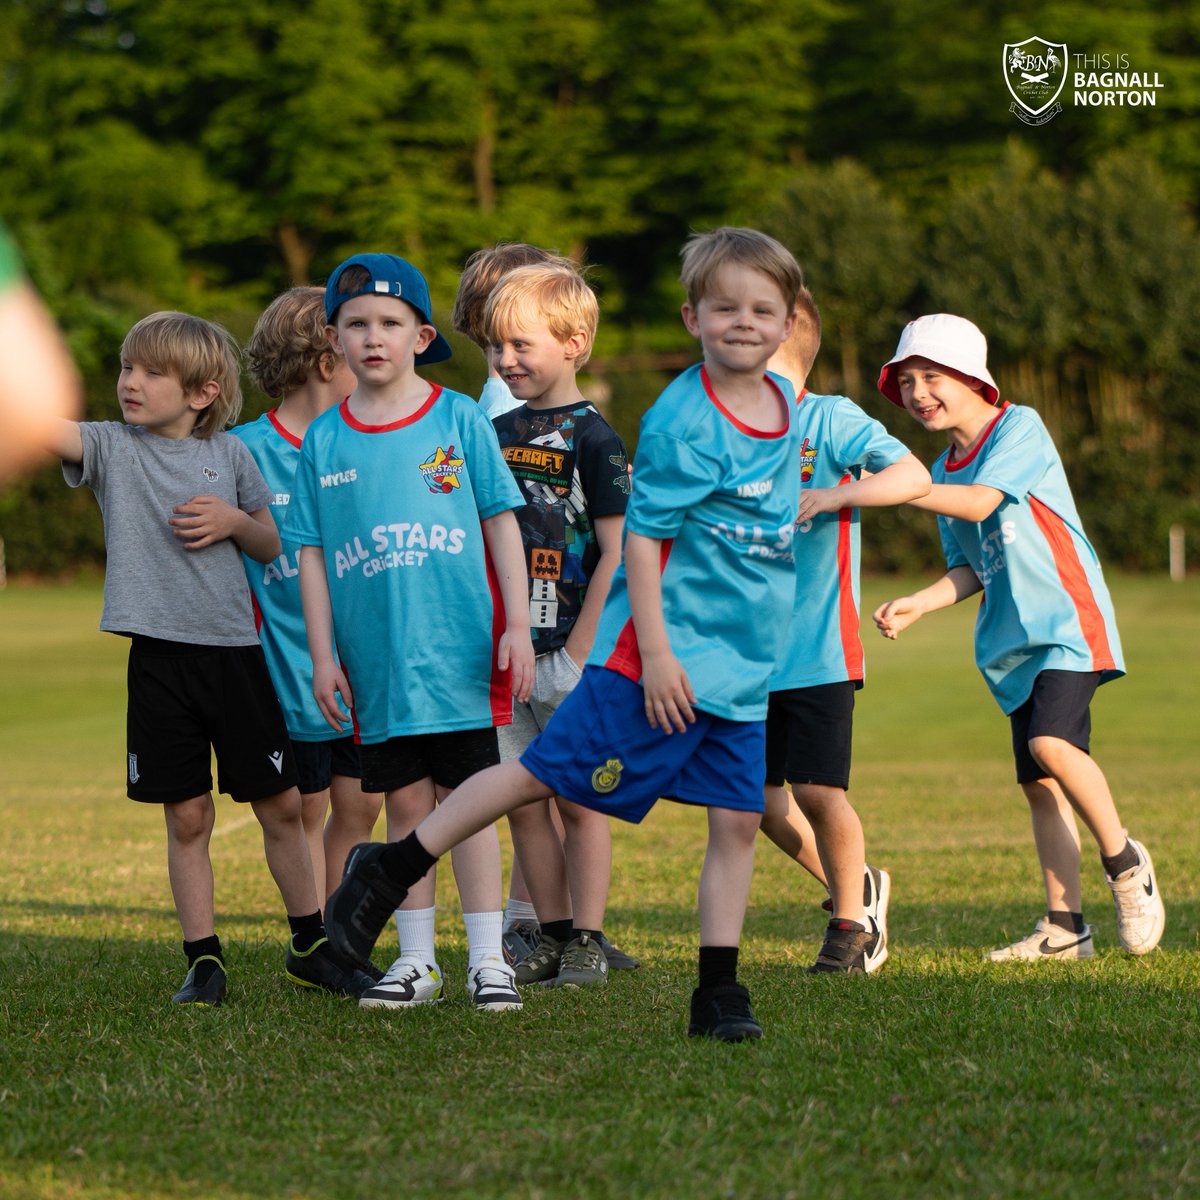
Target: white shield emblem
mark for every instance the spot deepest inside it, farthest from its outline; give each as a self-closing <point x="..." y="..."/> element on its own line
<point x="1034" y="73"/>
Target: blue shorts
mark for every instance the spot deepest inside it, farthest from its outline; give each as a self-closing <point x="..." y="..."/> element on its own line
<point x="599" y="751"/>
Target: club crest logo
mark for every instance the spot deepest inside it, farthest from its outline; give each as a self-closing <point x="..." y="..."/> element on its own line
<point x="808" y="461"/>
<point x="210" y="475"/>
<point x="1034" y="73"/>
<point x="442" y="469"/>
<point x="606" y="778"/>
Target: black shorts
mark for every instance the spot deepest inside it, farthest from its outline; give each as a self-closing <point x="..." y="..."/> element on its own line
<point x="446" y="758"/>
<point x="187" y="701"/>
<point x="1057" y="707"/>
<point x="318" y="762"/>
<point x="808" y="735"/>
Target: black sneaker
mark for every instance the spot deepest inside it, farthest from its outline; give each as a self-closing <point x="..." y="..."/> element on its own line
<point x="723" y="1012"/>
<point x="320" y="967"/>
<point x="618" y="960"/>
<point x="845" y="950"/>
<point x="208" y="994"/>
<point x="362" y="904"/>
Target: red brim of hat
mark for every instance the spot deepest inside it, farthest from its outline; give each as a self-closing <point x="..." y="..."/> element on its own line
<point x="891" y="389"/>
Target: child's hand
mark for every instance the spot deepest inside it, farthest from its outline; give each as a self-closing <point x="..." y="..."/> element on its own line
<point x="895" y="616"/>
<point x="516" y="651"/>
<point x="669" y="695"/>
<point x="817" y="500"/>
<point x="329" y="680"/>
<point x="203" y="520"/>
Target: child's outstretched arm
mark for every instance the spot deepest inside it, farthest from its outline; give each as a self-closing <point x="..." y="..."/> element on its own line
<point x="64" y="440"/>
<point x="503" y="537"/>
<point x="905" y="480"/>
<point x="897" y="615"/>
<point x="203" y="520"/>
<point x="966" y="501"/>
<point x="329" y="680"/>
<point x="669" y="695"/>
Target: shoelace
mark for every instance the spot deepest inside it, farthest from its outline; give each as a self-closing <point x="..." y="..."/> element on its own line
<point x="582" y="958"/>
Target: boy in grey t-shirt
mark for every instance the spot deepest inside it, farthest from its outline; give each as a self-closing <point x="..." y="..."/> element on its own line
<point x="180" y="498"/>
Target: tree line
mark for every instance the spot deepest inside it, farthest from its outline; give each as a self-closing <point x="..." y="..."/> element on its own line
<point x="160" y="154"/>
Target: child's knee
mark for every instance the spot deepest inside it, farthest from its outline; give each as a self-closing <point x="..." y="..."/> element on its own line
<point x="1053" y="754"/>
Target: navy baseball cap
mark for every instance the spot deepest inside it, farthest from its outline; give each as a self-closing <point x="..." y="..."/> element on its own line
<point x="390" y="276"/>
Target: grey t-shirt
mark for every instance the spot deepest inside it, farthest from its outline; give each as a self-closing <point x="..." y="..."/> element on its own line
<point x="153" y="585"/>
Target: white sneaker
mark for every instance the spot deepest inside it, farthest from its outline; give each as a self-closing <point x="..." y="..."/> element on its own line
<point x="406" y="983"/>
<point x="1047" y="941"/>
<point x="492" y="986"/>
<point x="1140" y="913"/>
<point x="877" y="890"/>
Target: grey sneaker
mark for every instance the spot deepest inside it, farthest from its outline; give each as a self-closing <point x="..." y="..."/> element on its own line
<point x="542" y="964"/>
<point x="1141" y="917"/>
<point x="844" y="950"/>
<point x="583" y="964"/>
<point x="618" y="960"/>
<point x="519" y="940"/>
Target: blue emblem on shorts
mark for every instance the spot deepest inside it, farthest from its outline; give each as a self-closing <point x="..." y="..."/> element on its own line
<point x="606" y="778"/>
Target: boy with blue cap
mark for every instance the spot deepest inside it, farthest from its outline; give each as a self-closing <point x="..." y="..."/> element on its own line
<point x="411" y="565"/>
<point x="1045" y="636"/>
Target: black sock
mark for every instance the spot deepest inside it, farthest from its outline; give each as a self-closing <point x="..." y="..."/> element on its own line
<point x="207" y="948"/>
<point x="594" y="934"/>
<point x="306" y="931"/>
<point x="1072" y="922"/>
<point x="560" y="931"/>
<point x="1115" y="864"/>
<point x="406" y="861"/>
<point x="718" y="964"/>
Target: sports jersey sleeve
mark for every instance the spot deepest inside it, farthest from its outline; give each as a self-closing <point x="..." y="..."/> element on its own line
<point x="1019" y="454"/>
<point x="951" y="549"/>
<point x="862" y="442"/>
<point x="252" y="491"/>
<point x="670" y="477"/>
<point x="603" y="470"/>
<point x="495" y="488"/>
<point x="302" y="523"/>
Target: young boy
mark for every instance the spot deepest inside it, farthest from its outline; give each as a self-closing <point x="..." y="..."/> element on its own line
<point x="180" y="498"/>
<point x="289" y="357"/>
<point x="410" y="553"/>
<point x="811" y="709"/>
<point x="674" y="695"/>
<point x="571" y="467"/>
<point x="1045" y="636"/>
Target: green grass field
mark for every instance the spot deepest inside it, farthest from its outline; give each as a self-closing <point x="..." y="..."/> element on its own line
<point x="942" y="1076"/>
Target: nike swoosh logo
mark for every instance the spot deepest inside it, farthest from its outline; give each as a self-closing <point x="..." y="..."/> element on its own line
<point x="1148" y="887"/>
<point x="1046" y="948"/>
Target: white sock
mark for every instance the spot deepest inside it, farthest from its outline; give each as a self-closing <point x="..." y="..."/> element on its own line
<point x="483" y="936"/>
<point x="519" y="910"/>
<point x="415" y="929"/>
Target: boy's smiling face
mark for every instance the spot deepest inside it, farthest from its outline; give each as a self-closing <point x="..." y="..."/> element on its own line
<point x="380" y="337"/>
<point x="535" y="366"/>
<point x="939" y="397"/>
<point x="741" y="320"/>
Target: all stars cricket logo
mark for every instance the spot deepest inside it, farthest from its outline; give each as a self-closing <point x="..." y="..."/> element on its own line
<point x="1034" y="73"/>
<point x="808" y="461"/>
<point x="442" y="470"/>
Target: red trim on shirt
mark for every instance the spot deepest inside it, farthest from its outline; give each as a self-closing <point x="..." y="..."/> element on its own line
<point x="1073" y="578"/>
<point x="741" y="426"/>
<point x="258" y="612"/>
<point x="852" y="649"/>
<point x="626" y="656"/>
<point x="435" y="390"/>
<point x="953" y="465"/>
<point x="500" y="682"/>
<point x="286" y="434"/>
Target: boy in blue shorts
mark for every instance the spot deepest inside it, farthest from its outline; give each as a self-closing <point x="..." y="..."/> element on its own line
<point x="571" y="467"/>
<point x="1045" y="636"/>
<point x="411" y="564"/>
<point x="673" y="699"/>
<point x="180" y="499"/>
<point x="811" y="710"/>
<point x="289" y="357"/>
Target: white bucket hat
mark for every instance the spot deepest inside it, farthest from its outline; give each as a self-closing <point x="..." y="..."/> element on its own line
<point x="946" y="340"/>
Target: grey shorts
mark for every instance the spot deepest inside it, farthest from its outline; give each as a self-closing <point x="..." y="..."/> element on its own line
<point x="555" y="677"/>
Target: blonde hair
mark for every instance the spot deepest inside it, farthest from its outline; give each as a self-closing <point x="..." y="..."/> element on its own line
<point x="704" y="254"/>
<point x="799" y="349"/>
<point x="194" y="351"/>
<point x="558" y="295"/>
<point x="288" y="342"/>
<point x="482" y="271"/>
